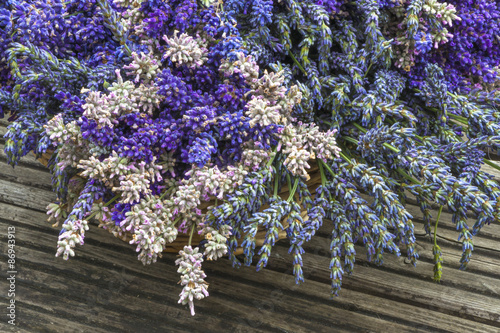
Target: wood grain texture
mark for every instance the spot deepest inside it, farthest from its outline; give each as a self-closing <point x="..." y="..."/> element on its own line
<point x="104" y="288"/>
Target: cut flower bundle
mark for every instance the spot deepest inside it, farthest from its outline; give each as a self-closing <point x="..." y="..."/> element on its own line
<point x="208" y="119"/>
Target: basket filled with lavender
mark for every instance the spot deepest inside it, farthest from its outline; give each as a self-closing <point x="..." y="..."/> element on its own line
<point x="215" y="129"/>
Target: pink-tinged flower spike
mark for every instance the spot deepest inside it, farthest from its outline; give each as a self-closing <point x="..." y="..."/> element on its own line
<point x="56" y="212"/>
<point x="245" y="66"/>
<point x="261" y="112"/>
<point x="143" y="67"/>
<point x="184" y="49"/>
<point x="97" y="107"/>
<point x="56" y="130"/>
<point x="192" y="277"/>
<point x="74" y="234"/>
<point x="217" y="241"/>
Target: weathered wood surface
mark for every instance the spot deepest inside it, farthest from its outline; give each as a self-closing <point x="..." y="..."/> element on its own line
<point x="106" y="289"/>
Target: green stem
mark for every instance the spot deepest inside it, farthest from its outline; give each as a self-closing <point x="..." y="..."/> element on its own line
<point x="391" y="147"/>
<point x="112" y="200"/>
<point x="344" y="157"/>
<point x="461" y="120"/>
<point x="276" y="183"/>
<point x="321" y="171"/>
<point x="352" y="140"/>
<point x="407" y="176"/>
<point x="368" y="70"/>
<point x="165" y="193"/>
<point x="191" y="235"/>
<point x="359" y="127"/>
<point x="297" y="63"/>
<point x="436" y="225"/>
<point x="323" y="176"/>
<point x="491" y="164"/>
<point x="289" y="182"/>
<point x="272" y="159"/>
<point x="73" y="14"/>
<point x="292" y="192"/>
<point x="330" y="169"/>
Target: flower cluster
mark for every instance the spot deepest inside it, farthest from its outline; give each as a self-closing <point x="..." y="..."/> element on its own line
<point x="177" y="115"/>
<point x="391" y="79"/>
<point x="211" y="118"/>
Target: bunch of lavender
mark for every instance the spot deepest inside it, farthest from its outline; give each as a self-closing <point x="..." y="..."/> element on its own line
<point x="165" y="108"/>
<point x="49" y="51"/>
<point x="470" y="58"/>
<point x="183" y="116"/>
<point x="371" y="71"/>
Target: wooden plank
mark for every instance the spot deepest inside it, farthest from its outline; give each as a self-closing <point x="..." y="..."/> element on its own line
<point x="369" y="304"/>
<point x="24" y="196"/>
<point x="484" y="266"/>
<point x="65" y="284"/>
<point x="381" y="297"/>
<point x="34" y="319"/>
<point x="26" y="176"/>
<point x="3" y="129"/>
<point x="451" y="231"/>
<point x="351" y="304"/>
<point x="405" y="289"/>
<point x="380" y="307"/>
<point x="229" y="296"/>
<point x="87" y="304"/>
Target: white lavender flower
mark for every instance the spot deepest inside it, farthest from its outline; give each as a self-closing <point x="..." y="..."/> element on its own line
<point x="270" y="86"/>
<point x="96" y="108"/>
<point x="143" y="67"/>
<point x="98" y="150"/>
<point x="245" y="66"/>
<point x="147" y="98"/>
<point x="262" y="112"/>
<point x="185" y="49"/>
<point x="442" y="11"/>
<point x="150" y="221"/>
<point x="296" y="160"/>
<point x="292" y="98"/>
<point x="187" y="198"/>
<point x="208" y="180"/>
<point x="132" y="187"/>
<point x="322" y="144"/>
<point x="74" y="234"/>
<point x="168" y="162"/>
<point x="254" y="158"/>
<point x="217" y="242"/>
<point x="60" y="134"/>
<point x="132" y="15"/>
<point x="113" y="166"/>
<point x="235" y="176"/>
<point x="192" y="278"/>
<point x="55" y="212"/>
<point x="56" y="130"/>
<point x="120" y="99"/>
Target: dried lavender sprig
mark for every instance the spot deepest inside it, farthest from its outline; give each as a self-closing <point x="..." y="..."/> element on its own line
<point x="112" y="23"/>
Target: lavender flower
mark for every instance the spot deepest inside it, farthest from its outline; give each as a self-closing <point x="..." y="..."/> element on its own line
<point x="192" y="278"/>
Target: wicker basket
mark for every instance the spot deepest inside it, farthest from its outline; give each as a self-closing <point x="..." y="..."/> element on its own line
<point x="182" y="239"/>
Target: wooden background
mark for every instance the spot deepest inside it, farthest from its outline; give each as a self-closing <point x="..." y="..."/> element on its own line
<point x="104" y="288"/>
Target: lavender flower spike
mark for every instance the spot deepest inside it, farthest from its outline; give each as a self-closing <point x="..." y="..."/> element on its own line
<point x="192" y="277"/>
